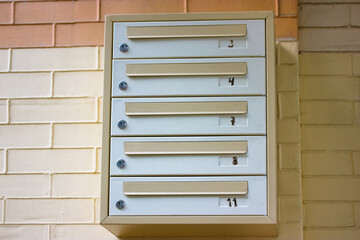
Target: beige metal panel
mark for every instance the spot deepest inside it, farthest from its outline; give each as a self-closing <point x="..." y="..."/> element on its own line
<point x="178" y="219"/>
<point x="184" y="188"/>
<point x="190" y="226"/>
<point x="245" y="227"/>
<point x="271" y="118"/>
<point x="184" y="108"/>
<point x="104" y="210"/>
<point x="186" y="69"/>
<point x="189" y="16"/>
<point x="185" y="148"/>
<point x="238" y="30"/>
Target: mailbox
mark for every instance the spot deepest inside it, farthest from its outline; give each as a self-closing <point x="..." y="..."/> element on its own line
<point x="189" y="145"/>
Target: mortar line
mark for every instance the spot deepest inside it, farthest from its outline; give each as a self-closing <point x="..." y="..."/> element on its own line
<point x="51" y="135"/>
<point x="49" y="231"/>
<point x="10" y="59"/>
<point x="5" y="160"/>
<point x="3" y="211"/>
<point x="95" y="160"/>
<point x="97" y="109"/>
<point x="8" y="111"/>
<point x="97" y="64"/>
<point x="52" y="73"/>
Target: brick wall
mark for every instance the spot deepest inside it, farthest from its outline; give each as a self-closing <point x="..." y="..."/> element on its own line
<point x="330" y="118"/>
<point x="329" y="25"/>
<point x="50" y="112"/>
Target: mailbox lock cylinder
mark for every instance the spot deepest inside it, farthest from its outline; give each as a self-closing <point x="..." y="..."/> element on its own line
<point x="123" y="85"/>
<point x="120" y="204"/>
<point x="122" y="124"/>
<point x="121" y="163"/>
<point x="124" y="47"/>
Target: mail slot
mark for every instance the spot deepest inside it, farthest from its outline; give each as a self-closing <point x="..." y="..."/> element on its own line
<point x="188" y="195"/>
<point x="152" y="156"/>
<point x="188" y="116"/>
<point x="237" y="30"/>
<point x="189" y="39"/>
<point x="186" y="77"/>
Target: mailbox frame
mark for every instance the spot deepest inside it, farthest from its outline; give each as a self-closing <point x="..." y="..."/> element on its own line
<point x="193" y="226"/>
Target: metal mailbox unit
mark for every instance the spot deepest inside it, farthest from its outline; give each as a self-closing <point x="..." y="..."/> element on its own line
<point x="189" y="125"/>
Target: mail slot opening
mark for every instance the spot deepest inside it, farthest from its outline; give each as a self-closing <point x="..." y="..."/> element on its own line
<point x="185" y="188"/>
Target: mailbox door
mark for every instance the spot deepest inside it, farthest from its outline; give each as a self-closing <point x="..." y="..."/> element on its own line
<point x="152" y="156"/>
<point x="188" y="196"/>
<point x="188" y="77"/>
<point x="188" y="116"/>
<point x="175" y="39"/>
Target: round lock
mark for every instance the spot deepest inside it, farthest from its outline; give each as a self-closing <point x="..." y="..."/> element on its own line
<point x="121" y="163"/>
<point x="120" y="204"/>
<point x="123" y="85"/>
<point x="124" y="47"/>
<point x="122" y="124"/>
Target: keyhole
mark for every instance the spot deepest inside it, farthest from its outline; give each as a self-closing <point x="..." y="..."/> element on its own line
<point x="233" y="121"/>
<point x="231" y="80"/>
<point x="231" y="44"/>
<point x="235" y="161"/>
<point x="229" y="200"/>
<point x="235" y="203"/>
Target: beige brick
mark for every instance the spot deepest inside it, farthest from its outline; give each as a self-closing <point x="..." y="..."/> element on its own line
<point x="329" y="215"/>
<point x="75" y="232"/>
<point x="327" y="163"/>
<point x="326" y="112"/>
<point x="20" y="85"/>
<point x="51" y="160"/>
<point x="288" y="104"/>
<point x="354" y="14"/>
<point x="289" y="182"/>
<point x="323" y="15"/>
<point x="288" y="131"/>
<point x="4" y="60"/>
<point x="332" y="88"/>
<point x="25" y="135"/>
<point x="287" y="52"/>
<point x="357" y="113"/>
<point x="287" y="78"/>
<point x="3" y="111"/>
<point x="53" y="110"/>
<point x="331" y="188"/>
<point x="100" y="111"/>
<point x="330" y="137"/>
<point x="75" y="185"/>
<point x="101" y="58"/>
<point x="356" y="159"/>
<point x="287" y="231"/>
<point x="356" y="64"/>
<point x="49" y="211"/>
<point x="24" y="185"/>
<point x="76" y="135"/>
<point x="78" y="84"/>
<point x="338" y="39"/>
<point x="2" y="161"/>
<point x="332" y="234"/>
<point x="21" y="232"/>
<point x="289" y="209"/>
<point x="325" y="63"/>
<point x="75" y="58"/>
<point x="289" y="156"/>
